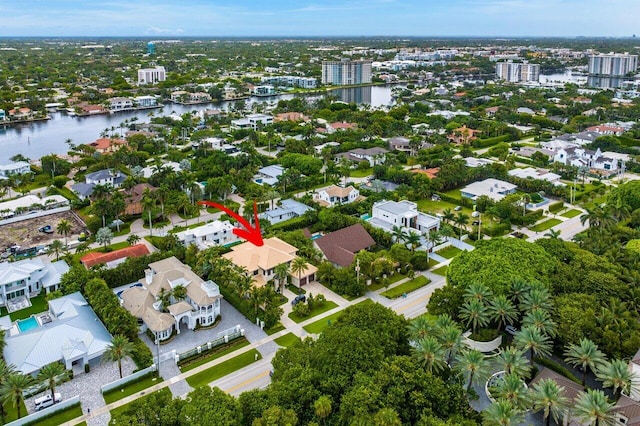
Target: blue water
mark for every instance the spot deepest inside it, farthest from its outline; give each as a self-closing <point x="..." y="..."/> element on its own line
<point x="316" y="236"/>
<point x="27" y="324"/>
<point x="366" y="216"/>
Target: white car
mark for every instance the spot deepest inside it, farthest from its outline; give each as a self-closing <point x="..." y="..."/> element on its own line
<point x="475" y="214"/>
<point x="47" y="401"/>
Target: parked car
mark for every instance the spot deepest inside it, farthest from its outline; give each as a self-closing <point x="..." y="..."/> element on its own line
<point x="511" y="330"/>
<point x="299" y="298"/>
<point x="47" y="401"/>
<point x="476" y="223"/>
<point x="457" y="208"/>
<point x="475" y="214"/>
<point x="47" y="229"/>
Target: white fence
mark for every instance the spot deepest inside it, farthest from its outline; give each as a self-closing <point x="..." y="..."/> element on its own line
<point x="484" y="347"/>
<point x="225" y="337"/>
<point x="41" y="213"/>
<point x="131" y="377"/>
<point x="46" y="412"/>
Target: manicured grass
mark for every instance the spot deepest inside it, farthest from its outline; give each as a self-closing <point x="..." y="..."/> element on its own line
<point x="393" y="279"/>
<point x="408" y="287"/>
<point x="214" y="354"/>
<point x="317" y="310"/>
<point x="214" y="373"/>
<point x="543" y="226"/>
<point x="61" y="416"/>
<point x="12" y="413"/>
<point x="287" y="340"/>
<point x="124" y="230"/>
<point x="38" y="305"/>
<point x="571" y="213"/>
<point x="361" y="173"/>
<point x="274" y="329"/>
<point x="432" y="262"/>
<point x="126" y="407"/>
<point x="433" y="207"/>
<point x="442" y="271"/>
<point x="449" y="252"/>
<point x="131" y="388"/>
<point x="319" y="326"/>
<point x="295" y="289"/>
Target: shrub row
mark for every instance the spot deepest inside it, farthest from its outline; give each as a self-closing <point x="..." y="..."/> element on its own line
<point x="529" y="218"/>
<point x="557" y="368"/>
<point x="462" y="201"/>
<point x="485" y="143"/>
<point x="556" y="207"/>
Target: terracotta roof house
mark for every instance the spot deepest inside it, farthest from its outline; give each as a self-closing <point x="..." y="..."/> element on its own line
<point x="627" y="411"/>
<point x="201" y="305"/>
<point x="463" y="135"/>
<point x="114" y="258"/>
<point x="340" y="247"/>
<point x="430" y="173"/>
<point x="107" y="145"/>
<point x="260" y="261"/>
<point x="341" y="125"/>
<point x="291" y="116"/>
<point x="133" y="198"/>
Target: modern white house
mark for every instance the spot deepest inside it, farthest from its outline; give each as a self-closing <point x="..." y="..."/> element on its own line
<point x="268" y="175"/>
<point x="24" y="279"/>
<point x="69" y="332"/>
<point x="31" y="206"/>
<point x="145" y="101"/>
<point x="581" y="157"/>
<point x="492" y="188"/>
<point x="374" y="156"/>
<point x="216" y="233"/>
<point x="402" y="214"/>
<point x="144" y="300"/>
<point x="533" y="173"/>
<point x="286" y="209"/>
<point x="102" y="177"/>
<point x="335" y="195"/>
<point x="252" y="121"/>
<point x="120" y="104"/>
<point x="16" y="168"/>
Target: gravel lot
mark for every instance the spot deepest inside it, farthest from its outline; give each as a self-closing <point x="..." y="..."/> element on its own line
<point x="25" y="233"/>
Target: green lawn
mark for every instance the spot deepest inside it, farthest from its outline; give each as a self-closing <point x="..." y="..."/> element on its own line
<point x="361" y="173"/>
<point x="543" y="226"/>
<point x="61" y="416"/>
<point x="274" y="329"/>
<point x="12" y="413"/>
<point x="408" y="287"/>
<point x="449" y="252"/>
<point x="319" y="326"/>
<point x="433" y="207"/>
<point x="317" y="310"/>
<point x="130" y="388"/>
<point x="126" y="407"/>
<point x="571" y="213"/>
<point x="393" y="279"/>
<point x="38" y="305"/>
<point x="124" y="230"/>
<point x="214" y="373"/>
<point x="442" y="271"/>
<point x="214" y="354"/>
<point x="432" y="262"/>
<point x="287" y="340"/>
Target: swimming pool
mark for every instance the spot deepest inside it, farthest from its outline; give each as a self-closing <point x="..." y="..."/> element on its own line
<point x="27" y="324"/>
<point x="365" y="216"/>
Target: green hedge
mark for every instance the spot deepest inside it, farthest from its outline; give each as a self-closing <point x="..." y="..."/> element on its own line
<point x="462" y="201"/>
<point x="497" y="230"/>
<point x="557" y="368"/>
<point x="556" y="207"/>
<point x="485" y="143"/>
<point x="529" y="218"/>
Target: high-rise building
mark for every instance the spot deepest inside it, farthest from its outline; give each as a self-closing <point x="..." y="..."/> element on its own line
<point x="514" y="72"/>
<point x="151" y="48"/>
<point x="151" y="75"/>
<point x="346" y="72"/>
<point x="612" y="64"/>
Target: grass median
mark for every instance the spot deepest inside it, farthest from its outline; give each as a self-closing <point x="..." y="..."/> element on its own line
<point x="547" y="224"/>
<point x="317" y="310"/>
<point x="216" y="372"/>
<point x="416" y="283"/>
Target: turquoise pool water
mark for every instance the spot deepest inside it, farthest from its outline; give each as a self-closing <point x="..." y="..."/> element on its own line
<point x="366" y="216"/>
<point x="27" y="324"/>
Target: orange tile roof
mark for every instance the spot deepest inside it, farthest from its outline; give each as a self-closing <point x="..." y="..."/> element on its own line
<point x="106" y="143"/>
<point x="96" y="258"/>
<point x="430" y="173"/>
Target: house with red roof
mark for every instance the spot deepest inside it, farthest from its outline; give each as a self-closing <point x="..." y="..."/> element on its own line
<point x="107" y="145"/>
<point x="113" y="258"/>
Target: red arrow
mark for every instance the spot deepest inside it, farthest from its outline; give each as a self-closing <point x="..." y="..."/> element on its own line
<point x="250" y="234"/>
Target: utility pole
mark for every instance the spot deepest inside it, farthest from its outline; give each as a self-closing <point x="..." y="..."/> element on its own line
<point x="358" y="271"/>
<point x="479" y="224"/>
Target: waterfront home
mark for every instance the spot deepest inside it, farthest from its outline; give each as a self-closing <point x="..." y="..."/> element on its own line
<point x="24" y="279"/>
<point x="15" y="168"/>
<point x="3" y="115"/>
<point x="120" y="104"/>
<point x="107" y="145"/>
<point x="145" y="101"/>
<point x="216" y="233"/>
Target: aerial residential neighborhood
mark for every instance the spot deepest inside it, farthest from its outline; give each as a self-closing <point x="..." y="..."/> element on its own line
<point x="360" y="213"/>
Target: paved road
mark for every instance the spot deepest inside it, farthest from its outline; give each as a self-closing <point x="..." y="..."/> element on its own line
<point x="255" y="376"/>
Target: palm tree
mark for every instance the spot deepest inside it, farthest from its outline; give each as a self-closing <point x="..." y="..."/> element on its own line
<point x="513" y="389"/>
<point x="548" y="396"/>
<point x="5" y="371"/>
<point x="148" y="204"/>
<point x="119" y="348"/>
<point x="532" y="339"/>
<point x="63" y="228"/>
<point x="281" y="273"/>
<point x="298" y="266"/>
<point x="617" y="375"/>
<point x="584" y="354"/>
<point x="537" y="298"/>
<point x="179" y="292"/>
<point x="397" y="234"/>
<point x="322" y="407"/>
<point x="13" y="387"/>
<point x="593" y="408"/>
<point x="477" y="291"/>
<point x="161" y="195"/>
<point x="502" y="310"/>
<point x="473" y="365"/>
<point x="513" y="361"/>
<point x="452" y="341"/>
<point x="49" y="374"/>
<point x="133" y="239"/>
<point x="413" y="239"/>
<point x="540" y="319"/>
<point x="461" y="220"/>
<point x="474" y="312"/>
<point x="502" y="413"/>
<point x="420" y="328"/>
<point x="553" y="234"/>
<point x="448" y="215"/>
<point x="56" y="247"/>
<point x="431" y="353"/>
<point x="519" y="287"/>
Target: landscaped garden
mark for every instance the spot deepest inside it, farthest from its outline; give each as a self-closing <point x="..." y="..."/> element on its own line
<point x="571" y="213"/>
<point x="287" y="340"/>
<point x="214" y="354"/>
<point x="404" y="288"/>
<point x="547" y="224"/>
<point x="449" y="252"/>
<point x="316" y="309"/>
<point x="38" y="305"/>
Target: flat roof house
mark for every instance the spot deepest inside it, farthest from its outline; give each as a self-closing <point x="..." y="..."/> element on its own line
<point x="15" y="168"/>
<point x="69" y="332"/>
<point x="201" y="306"/>
<point x="404" y="214"/>
<point x="268" y="175"/>
<point x="288" y="209"/>
<point x="252" y="121"/>
<point x="216" y="233"/>
<point x="492" y="188"/>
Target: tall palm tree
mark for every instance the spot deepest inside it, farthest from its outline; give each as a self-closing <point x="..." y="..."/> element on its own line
<point x="413" y="239"/>
<point x="452" y="341"/>
<point x="397" y="234"/>
<point x="63" y="228"/>
<point x="518" y="288"/>
<point x="12" y="388"/>
<point x="548" y="396"/>
<point x="448" y="215"/>
<point x="322" y="407"/>
<point x="513" y="389"/>
<point x="540" y="319"/>
<point x="537" y="298"/>
<point x="533" y="340"/>
<point x="473" y="365"/>
<point x="6" y="370"/>
<point x="49" y="374"/>
<point x="593" y="408"/>
<point x="119" y="348"/>
<point x="477" y="291"/>
<point x="298" y="266"/>
<point x="56" y="247"/>
<point x="584" y="354"/>
<point x="553" y="234"/>
<point x="502" y="413"/>
<point x="513" y="361"/>
<point x="281" y="273"/>
<point x="502" y="310"/>
<point x="474" y="312"/>
<point x="431" y="353"/>
<point x="461" y="220"/>
<point x="421" y="327"/>
<point x="148" y="204"/>
<point x="616" y="374"/>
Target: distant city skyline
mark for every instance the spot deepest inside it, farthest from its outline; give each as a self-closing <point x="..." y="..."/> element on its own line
<point x="282" y="18"/>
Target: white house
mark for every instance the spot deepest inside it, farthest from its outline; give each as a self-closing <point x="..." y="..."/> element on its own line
<point x="530" y="172"/>
<point x="492" y="188"/>
<point x="252" y="121"/>
<point x="580" y="157"/>
<point x="24" y="279"/>
<point x="216" y="233"/>
<point x="403" y="214"/>
<point x="31" y="206"/>
<point x="16" y="168"/>
<point x="268" y="175"/>
<point x="151" y="75"/>
<point x="287" y="209"/>
<point x="120" y="104"/>
<point x="336" y="195"/>
<point x="145" y="101"/>
<point x="373" y="155"/>
<point x="101" y="177"/>
<point x="200" y="307"/>
<point x="3" y="115"/>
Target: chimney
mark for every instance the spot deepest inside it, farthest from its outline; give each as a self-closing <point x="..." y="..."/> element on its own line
<point x="148" y="276"/>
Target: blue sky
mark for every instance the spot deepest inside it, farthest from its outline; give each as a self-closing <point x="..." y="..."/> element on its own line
<point x="220" y="18"/>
